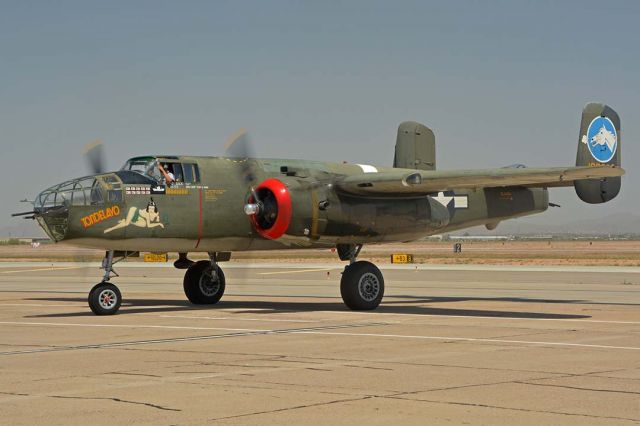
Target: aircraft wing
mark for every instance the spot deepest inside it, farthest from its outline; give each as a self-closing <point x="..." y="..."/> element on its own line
<point x="414" y="182"/>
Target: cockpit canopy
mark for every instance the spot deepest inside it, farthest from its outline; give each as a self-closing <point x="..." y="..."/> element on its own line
<point x="146" y="166"/>
<point x="108" y="188"/>
<point x="183" y="172"/>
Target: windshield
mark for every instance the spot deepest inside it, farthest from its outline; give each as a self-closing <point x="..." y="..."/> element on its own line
<point x="146" y="166"/>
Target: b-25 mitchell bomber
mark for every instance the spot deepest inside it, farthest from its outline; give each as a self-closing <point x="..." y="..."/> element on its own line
<point x="219" y="205"/>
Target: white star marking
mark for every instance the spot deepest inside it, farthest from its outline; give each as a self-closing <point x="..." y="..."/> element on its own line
<point x="443" y="199"/>
<point x="459" y="202"/>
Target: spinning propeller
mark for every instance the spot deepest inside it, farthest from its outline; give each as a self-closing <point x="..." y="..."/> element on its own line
<point x="94" y="155"/>
<point x="269" y="206"/>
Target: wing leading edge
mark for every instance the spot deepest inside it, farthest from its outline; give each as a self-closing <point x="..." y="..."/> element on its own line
<point x="413" y="182"/>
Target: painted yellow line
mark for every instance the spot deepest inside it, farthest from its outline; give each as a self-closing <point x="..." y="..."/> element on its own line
<point x="42" y="269"/>
<point x="295" y="272"/>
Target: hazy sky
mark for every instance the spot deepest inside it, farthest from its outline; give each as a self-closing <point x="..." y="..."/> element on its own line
<point x="499" y="82"/>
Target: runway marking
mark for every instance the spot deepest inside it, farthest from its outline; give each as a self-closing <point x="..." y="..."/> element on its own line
<point x="59" y="268"/>
<point x="247" y="333"/>
<point x="469" y="339"/>
<point x="37" y="304"/>
<point x="296" y="271"/>
<point x="237" y="319"/>
<point x="167" y="327"/>
<point x="505" y="318"/>
<point x="311" y="331"/>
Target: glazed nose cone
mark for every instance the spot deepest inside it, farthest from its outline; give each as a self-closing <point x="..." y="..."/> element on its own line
<point x="52" y="216"/>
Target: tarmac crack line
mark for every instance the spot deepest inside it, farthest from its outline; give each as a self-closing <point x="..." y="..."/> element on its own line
<point x="472" y="385"/>
<point x="279" y="386"/>
<point x="576" y="387"/>
<point x="528" y="410"/>
<point x="399" y="361"/>
<point x="147" y="404"/>
<point x="296" y="407"/>
<point x="124" y="373"/>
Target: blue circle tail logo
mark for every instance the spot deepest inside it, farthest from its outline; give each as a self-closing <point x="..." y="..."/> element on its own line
<point x="602" y="139"/>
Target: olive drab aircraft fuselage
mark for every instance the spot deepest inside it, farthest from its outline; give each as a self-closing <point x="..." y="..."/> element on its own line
<point x="223" y="204"/>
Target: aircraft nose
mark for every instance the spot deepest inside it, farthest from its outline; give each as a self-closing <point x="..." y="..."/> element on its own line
<point x="52" y="213"/>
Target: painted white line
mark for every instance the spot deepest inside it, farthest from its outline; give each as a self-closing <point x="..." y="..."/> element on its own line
<point x="297" y="271"/>
<point x="41" y="305"/>
<point x="162" y="327"/>
<point x="327" y="333"/>
<point x="478" y="317"/>
<point x="467" y="339"/>
<point x="237" y="319"/>
<point x="42" y="269"/>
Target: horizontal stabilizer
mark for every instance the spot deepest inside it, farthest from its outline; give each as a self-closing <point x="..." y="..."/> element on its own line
<point x="411" y="182"/>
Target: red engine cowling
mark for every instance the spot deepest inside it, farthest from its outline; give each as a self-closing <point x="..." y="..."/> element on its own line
<point x="275" y="209"/>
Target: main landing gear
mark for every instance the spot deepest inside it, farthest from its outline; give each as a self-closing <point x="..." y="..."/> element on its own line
<point x="362" y="284"/>
<point x="204" y="281"/>
<point x="104" y="297"/>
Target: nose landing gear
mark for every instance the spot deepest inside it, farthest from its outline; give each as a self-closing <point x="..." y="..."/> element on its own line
<point x="105" y="298"/>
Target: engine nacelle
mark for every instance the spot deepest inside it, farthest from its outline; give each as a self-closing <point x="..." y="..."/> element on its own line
<point x="270" y="208"/>
<point x="283" y="206"/>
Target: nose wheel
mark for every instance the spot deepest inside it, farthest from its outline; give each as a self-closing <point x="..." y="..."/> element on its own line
<point x="105" y="299"/>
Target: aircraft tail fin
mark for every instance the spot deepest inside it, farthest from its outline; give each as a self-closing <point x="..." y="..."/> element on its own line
<point x="598" y="145"/>
<point x="415" y="147"/>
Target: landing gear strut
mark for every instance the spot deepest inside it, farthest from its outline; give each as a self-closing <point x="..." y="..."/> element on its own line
<point x="362" y="284"/>
<point x="204" y="281"/>
<point x="183" y="262"/>
<point x="105" y="298"/>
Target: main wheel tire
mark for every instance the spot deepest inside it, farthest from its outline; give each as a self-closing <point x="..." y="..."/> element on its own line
<point x="200" y="286"/>
<point x="104" y="299"/>
<point x="362" y="286"/>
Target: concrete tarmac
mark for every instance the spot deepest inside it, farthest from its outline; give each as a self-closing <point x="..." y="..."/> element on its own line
<point x="448" y="345"/>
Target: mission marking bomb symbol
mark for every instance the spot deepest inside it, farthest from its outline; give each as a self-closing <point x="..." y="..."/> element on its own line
<point x="601" y="139"/>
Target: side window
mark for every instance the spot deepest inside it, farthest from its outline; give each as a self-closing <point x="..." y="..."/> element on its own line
<point x="196" y="173"/>
<point x="95" y="194"/>
<point x="191" y="174"/>
<point x="114" y="195"/>
<point x="176" y="168"/>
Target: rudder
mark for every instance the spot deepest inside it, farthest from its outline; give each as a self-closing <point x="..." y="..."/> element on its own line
<point x="598" y="145"/>
<point x="415" y="147"/>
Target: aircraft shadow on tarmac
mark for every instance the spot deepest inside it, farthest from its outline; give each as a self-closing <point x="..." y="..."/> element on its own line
<point x="414" y="306"/>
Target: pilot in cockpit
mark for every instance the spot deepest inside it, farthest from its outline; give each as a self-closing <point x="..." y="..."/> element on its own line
<point x="169" y="177"/>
